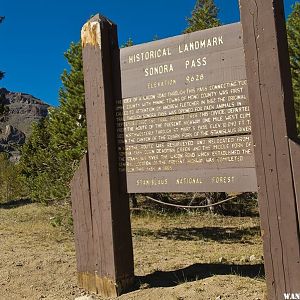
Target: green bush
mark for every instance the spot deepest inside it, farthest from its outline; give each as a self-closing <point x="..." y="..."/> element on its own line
<point x="12" y="185"/>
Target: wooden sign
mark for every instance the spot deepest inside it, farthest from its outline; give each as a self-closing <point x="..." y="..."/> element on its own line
<point x="183" y="123"/>
<point x="180" y="121"/>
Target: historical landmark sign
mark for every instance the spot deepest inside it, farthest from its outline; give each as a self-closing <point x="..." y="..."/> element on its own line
<point x="184" y="124"/>
<point x="184" y="121"/>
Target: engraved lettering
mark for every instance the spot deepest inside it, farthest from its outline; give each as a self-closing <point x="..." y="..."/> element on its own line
<point x="158" y="70"/>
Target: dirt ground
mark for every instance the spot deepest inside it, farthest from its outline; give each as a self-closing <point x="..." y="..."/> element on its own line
<point x="187" y="256"/>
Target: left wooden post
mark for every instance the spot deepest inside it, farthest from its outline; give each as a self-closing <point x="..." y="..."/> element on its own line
<point x="100" y="206"/>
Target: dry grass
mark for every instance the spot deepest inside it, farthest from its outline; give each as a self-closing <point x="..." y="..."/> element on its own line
<point x="185" y="239"/>
<point x="176" y="256"/>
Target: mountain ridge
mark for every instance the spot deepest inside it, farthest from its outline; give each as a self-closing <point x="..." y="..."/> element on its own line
<point x="17" y="113"/>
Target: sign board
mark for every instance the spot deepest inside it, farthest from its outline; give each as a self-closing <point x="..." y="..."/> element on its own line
<point x="183" y="124"/>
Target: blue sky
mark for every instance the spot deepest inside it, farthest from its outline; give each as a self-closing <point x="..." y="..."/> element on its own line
<point x="36" y="33"/>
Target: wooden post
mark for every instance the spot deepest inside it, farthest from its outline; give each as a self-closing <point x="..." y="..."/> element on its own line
<point x="83" y="229"/>
<point x="112" y="252"/>
<point x="273" y="128"/>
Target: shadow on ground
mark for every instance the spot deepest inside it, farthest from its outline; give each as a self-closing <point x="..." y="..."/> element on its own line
<point x="221" y="234"/>
<point x="199" y="271"/>
<point x="15" y="203"/>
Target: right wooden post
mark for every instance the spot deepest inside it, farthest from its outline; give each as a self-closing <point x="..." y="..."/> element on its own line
<point x="275" y="141"/>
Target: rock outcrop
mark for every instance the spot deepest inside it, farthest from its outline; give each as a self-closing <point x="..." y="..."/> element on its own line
<point x="17" y="112"/>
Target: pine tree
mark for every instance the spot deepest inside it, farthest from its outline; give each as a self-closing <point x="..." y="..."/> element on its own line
<point x="293" y="31"/>
<point x="204" y="16"/>
<point x="68" y="122"/>
<point x="39" y="163"/>
<point x="57" y="144"/>
<point x="12" y="186"/>
<point x="129" y="43"/>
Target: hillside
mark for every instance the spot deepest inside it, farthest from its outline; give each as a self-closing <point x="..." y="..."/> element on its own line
<point x="17" y="112"/>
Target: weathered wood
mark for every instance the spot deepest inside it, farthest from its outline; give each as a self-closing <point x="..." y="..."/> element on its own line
<point x="83" y="229"/>
<point x="295" y="155"/>
<point x="273" y="122"/>
<point x="110" y="207"/>
<point x="224" y="55"/>
<point x="181" y="97"/>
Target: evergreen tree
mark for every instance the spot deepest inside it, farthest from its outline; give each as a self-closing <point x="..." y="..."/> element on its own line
<point x="204" y="16"/>
<point x="12" y="186"/>
<point x="68" y="122"/>
<point x="57" y="144"/>
<point x="293" y="31"/>
<point x="156" y="37"/>
<point x="38" y="163"/>
<point x="129" y="43"/>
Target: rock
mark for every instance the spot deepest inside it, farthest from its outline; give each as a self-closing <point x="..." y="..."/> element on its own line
<point x="252" y="258"/>
<point x="144" y="286"/>
<point x="18" y="112"/>
<point x="222" y="260"/>
<point x="10" y="141"/>
<point x="244" y="259"/>
<point x="87" y="297"/>
<point x="13" y="136"/>
<point x="262" y="258"/>
<point x="20" y="103"/>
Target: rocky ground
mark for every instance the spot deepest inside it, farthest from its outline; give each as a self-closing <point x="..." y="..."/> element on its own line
<point x="186" y="256"/>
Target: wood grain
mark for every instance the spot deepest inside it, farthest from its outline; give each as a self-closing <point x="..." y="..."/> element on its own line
<point x="224" y="62"/>
<point x="187" y="111"/>
<point x="109" y="206"/>
<point x="273" y="122"/>
<point x="295" y="157"/>
<point x="83" y="229"/>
